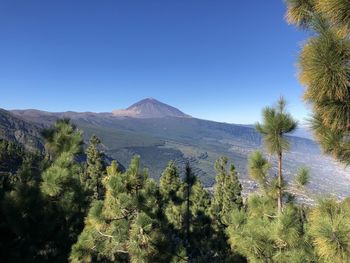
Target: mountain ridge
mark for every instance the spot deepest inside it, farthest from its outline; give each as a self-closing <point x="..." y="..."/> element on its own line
<point x="16" y="129"/>
<point x="200" y="142"/>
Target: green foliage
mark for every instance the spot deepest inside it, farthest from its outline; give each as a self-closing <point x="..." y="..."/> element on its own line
<point x="124" y="226"/>
<point x="11" y="156"/>
<point x="172" y="190"/>
<point x="226" y="198"/>
<point x="22" y="231"/>
<point x="276" y="124"/>
<point x="42" y="212"/>
<point x="259" y="170"/>
<point x="169" y="183"/>
<point x="187" y="207"/>
<point x="94" y="170"/>
<point x="16" y="165"/>
<point x="227" y="192"/>
<point x="232" y="192"/>
<point x="132" y="219"/>
<point x="62" y="137"/>
<point x="336" y="11"/>
<point x="303" y="177"/>
<point x="300" y="12"/>
<point x="262" y="236"/>
<point x="61" y="186"/>
<point x="329" y="229"/>
<point x="258" y="167"/>
<point x="324" y="70"/>
<point x="61" y="181"/>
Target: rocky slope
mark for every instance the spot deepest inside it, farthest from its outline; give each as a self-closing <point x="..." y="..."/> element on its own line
<point x="14" y="128"/>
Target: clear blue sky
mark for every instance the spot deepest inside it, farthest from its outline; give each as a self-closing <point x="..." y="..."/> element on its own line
<point x="214" y="59"/>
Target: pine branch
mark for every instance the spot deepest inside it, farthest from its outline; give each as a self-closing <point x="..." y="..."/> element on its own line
<point x="110" y="236"/>
<point x="105" y="235"/>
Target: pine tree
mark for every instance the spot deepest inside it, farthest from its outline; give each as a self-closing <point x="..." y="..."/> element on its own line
<point x="324" y="70"/>
<point x="172" y="191"/>
<point x="187" y="209"/>
<point x="17" y="165"/>
<point x="169" y="183"/>
<point x="60" y="181"/>
<point x="62" y="137"/>
<point x="61" y="186"/>
<point x="201" y="232"/>
<point x="173" y="205"/>
<point x="276" y="124"/>
<point x="262" y="236"/>
<point x="233" y="192"/>
<point x="124" y="226"/>
<point x="303" y="177"/>
<point x="189" y="180"/>
<point x="219" y="189"/>
<point x="227" y="192"/>
<point x="44" y="209"/>
<point x="22" y="220"/>
<point x="225" y="200"/>
<point x="258" y="169"/>
<point x="94" y="170"/>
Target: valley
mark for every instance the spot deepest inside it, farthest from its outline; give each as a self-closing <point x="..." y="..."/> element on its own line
<point x="160" y="133"/>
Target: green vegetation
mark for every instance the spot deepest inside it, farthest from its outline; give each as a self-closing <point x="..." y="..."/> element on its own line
<point x="324" y="69"/>
<point x="276" y="123"/>
<point x="198" y="141"/>
<point x="95" y="169"/>
<point x="303" y="177"/>
<point x="66" y="205"/>
<point x="126" y="225"/>
<point x="329" y="227"/>
<point x="62" y="207"/>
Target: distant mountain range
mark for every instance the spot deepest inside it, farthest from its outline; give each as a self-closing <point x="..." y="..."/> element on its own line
<point x="159" y="133"/>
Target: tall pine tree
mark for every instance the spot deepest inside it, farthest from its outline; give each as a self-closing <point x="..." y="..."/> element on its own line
<point x="276" y="124"/>
<point x="94" y="170"/>
<point x="227" y="192"/>
<point x="61" y="186"/>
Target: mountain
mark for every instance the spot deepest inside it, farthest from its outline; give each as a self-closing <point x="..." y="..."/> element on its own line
<point x="161" y="137"/>
<point x="150" y="108"/>
<point x="13" y="128"/>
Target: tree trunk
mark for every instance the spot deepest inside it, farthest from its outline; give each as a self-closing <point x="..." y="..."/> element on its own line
<point x="279" y="201"/>
<point x="188" y="211"/>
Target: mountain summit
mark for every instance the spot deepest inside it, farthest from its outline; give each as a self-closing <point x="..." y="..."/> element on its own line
<point x="150" y="108"/>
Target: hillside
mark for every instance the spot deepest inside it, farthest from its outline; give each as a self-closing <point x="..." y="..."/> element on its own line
<point x="13" y="128"/>
<point x="201" y="142"/>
